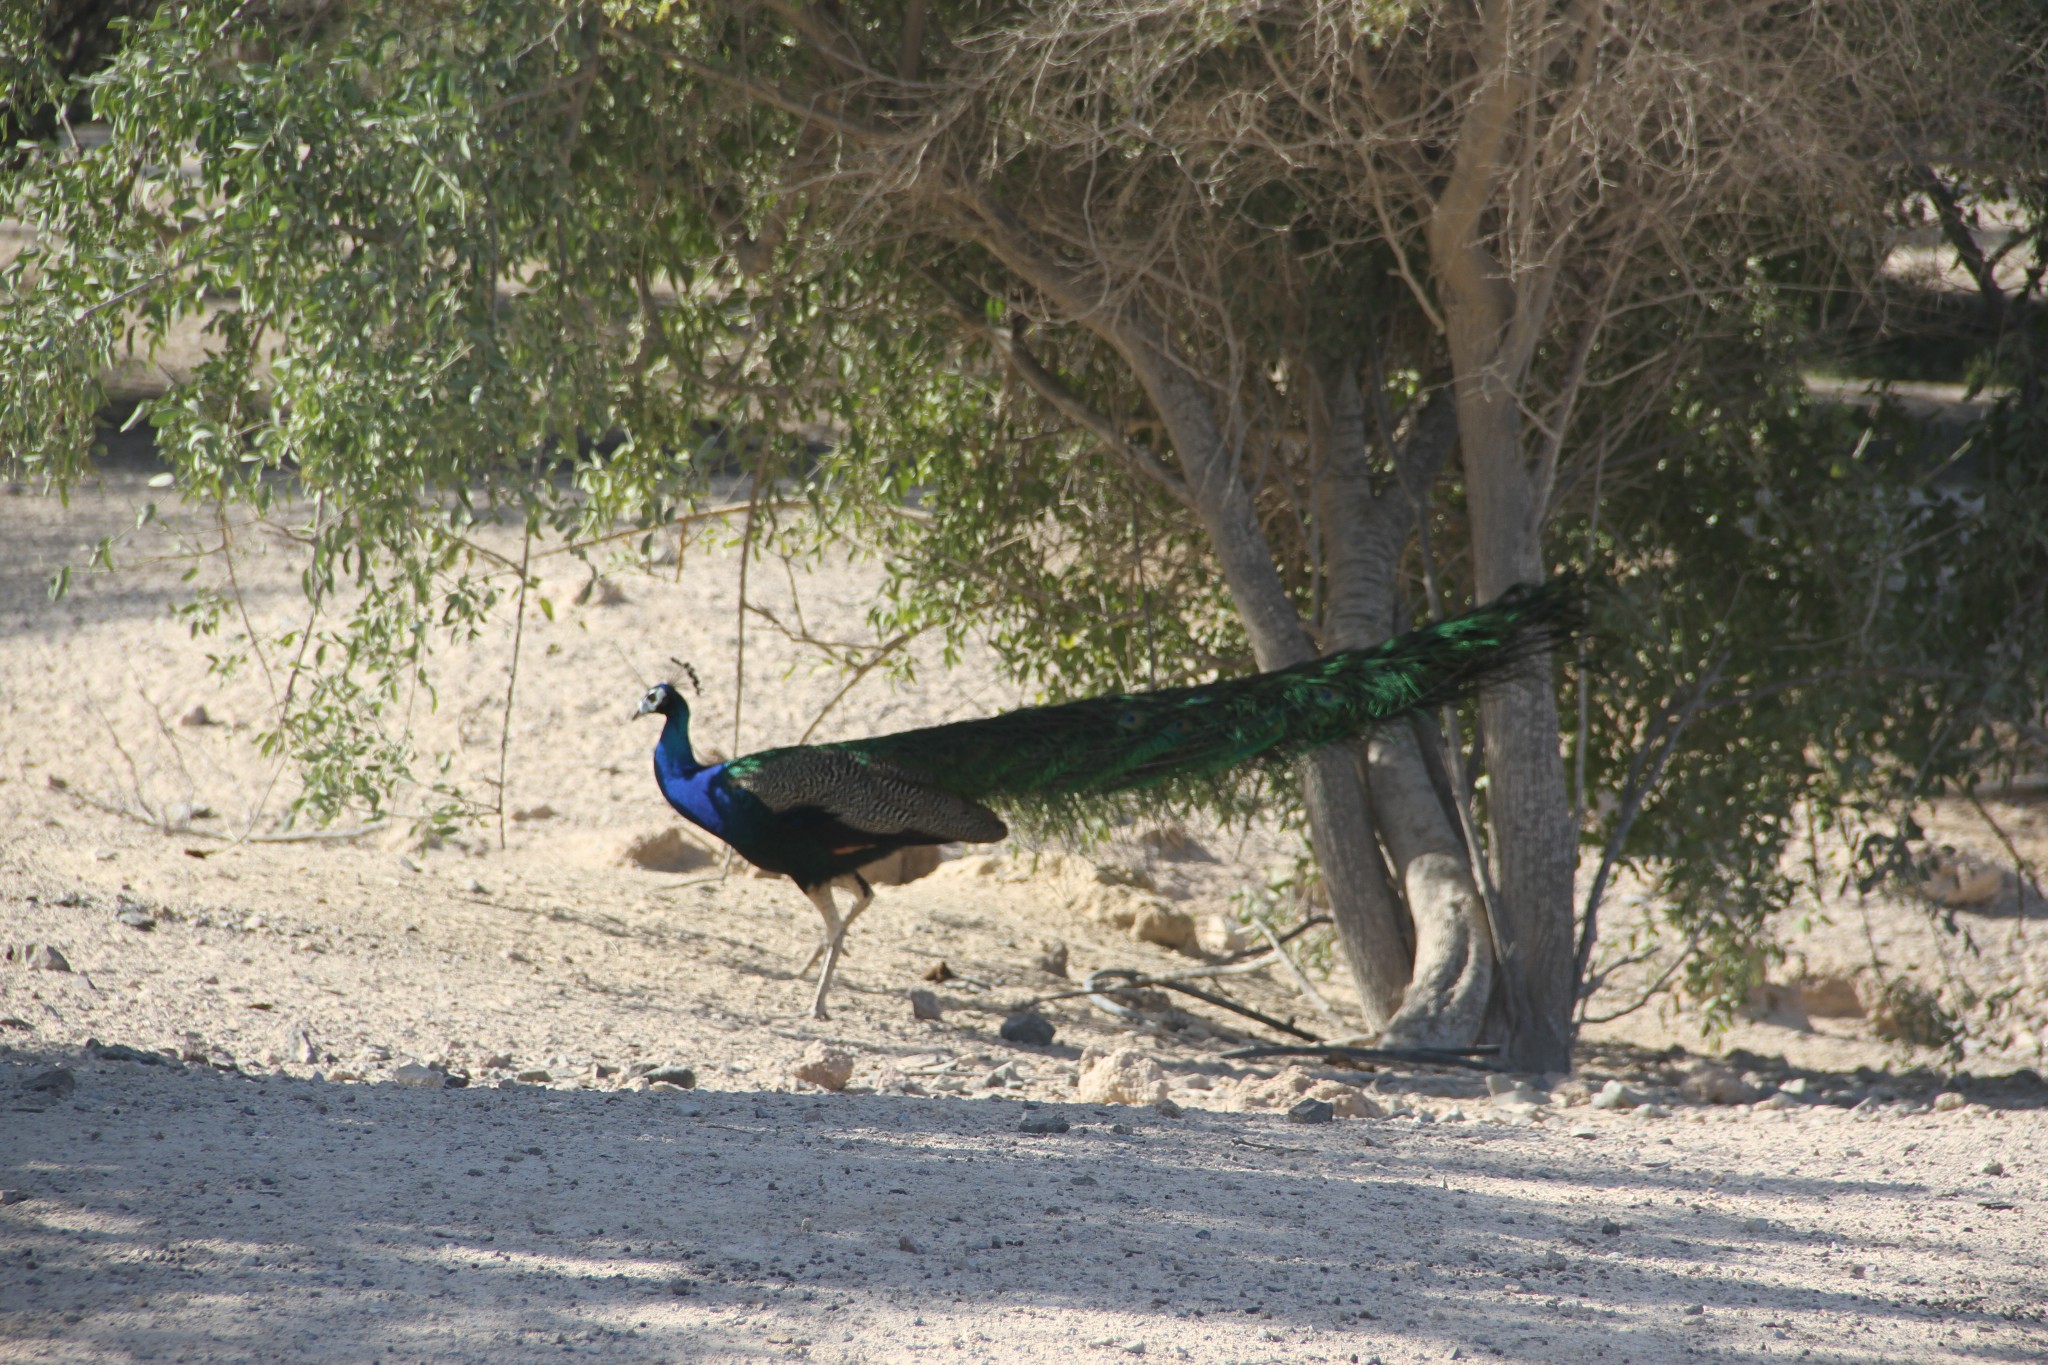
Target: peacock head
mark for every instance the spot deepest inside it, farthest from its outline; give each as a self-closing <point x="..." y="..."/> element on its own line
<point x="663" y="700"/>
<point x="666" y="698"/>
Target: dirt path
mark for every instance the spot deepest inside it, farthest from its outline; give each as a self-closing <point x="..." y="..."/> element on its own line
<point x="182" y="1214"/>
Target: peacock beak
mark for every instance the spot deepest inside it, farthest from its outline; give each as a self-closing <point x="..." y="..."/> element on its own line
<point x="646" y="706"/>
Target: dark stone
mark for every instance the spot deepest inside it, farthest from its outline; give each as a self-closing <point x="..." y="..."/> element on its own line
<point x="41" y="957"/>
<point x="1029" y="1027"/>
<point x="1312" y="1111"/>
<point x="58" y="1080"/>
<point x="1041" y="1127"/>
<point x="121" y="1052"/>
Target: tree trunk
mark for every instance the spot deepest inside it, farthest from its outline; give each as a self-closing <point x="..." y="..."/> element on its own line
<point x="1340" y="825"/>
<point x="1354" y="877"/>
<point x="1450" y="970"/>
<point x="1492" y="319"/>
<point x="1445" y="1002"/>
<point x="1527" y="807"/>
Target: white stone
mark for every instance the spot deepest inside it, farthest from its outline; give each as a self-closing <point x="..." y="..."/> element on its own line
<point x="1615" y="1095"/>
<point x="1125" y="1076"/>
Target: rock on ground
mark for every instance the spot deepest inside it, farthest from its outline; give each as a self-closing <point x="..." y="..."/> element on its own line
<point x="828" y="1068"/>
<point x="1123" y="1076"/>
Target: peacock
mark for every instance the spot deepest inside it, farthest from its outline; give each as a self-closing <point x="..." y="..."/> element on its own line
<point x="820" y="813"/>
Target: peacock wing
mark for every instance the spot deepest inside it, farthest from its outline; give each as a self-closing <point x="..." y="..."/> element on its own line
<point x="863" y="794"/>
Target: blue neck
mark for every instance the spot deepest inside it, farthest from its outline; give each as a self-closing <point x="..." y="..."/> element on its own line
<point x="694" y="789"/>
<point x="672" y="754"/>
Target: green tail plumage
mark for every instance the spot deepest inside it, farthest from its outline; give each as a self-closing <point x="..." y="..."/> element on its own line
<point x="1196" y="741"/>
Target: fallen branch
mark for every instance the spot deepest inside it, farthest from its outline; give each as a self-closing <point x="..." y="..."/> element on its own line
<point x="1432" y="1056"/>
<point x="1241" y="963"/>
<point x="1099" y="984"/>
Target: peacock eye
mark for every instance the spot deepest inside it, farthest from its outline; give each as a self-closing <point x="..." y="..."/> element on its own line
<point x="1129" y="720"/>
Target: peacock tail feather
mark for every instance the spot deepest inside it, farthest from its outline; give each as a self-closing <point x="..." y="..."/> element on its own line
<point x="1044" y="763"/>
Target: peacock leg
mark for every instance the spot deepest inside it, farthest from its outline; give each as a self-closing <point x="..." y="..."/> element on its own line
<point x="863" y="896"/>
<point x="821" y="897"/>
<point x="836" y="933"/>
<point x="835" y="928"/>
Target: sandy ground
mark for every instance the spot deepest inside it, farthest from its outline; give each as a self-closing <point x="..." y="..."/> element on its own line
<point x="274" y="1109"/>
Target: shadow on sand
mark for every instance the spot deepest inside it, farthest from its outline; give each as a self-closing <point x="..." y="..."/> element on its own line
<point x="178" y="1213"/>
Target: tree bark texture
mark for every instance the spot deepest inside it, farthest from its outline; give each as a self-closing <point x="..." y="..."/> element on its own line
<point x="1528" y="808"/>
<point x="1451" y="973"/>
<point x="1445" y="1002"/>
